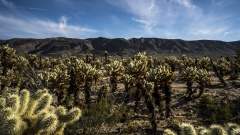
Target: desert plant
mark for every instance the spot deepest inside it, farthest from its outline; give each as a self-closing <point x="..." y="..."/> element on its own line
<point x="217" y="130"/>
<point x="169" y="132"/>
<point x="138" y="69"/>
<point x="203" y="78"/>
<point x="25" y="114"/>
<point x="162" y="77"/>
<point x="189" y="74"/>
<point x="187" y="129"/>
<point x="204" y="62"/>
<point x="114" y="69"/>
<point x="33" y="60"/>
<point x="172" y="61"/>
<point x="216" y="111"/>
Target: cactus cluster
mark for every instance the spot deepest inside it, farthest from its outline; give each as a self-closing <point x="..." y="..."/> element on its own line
<point x="189" y="129"/>
<point x="193" y="74"/>
<point x="27" y="114"/>
<point x="114" y="69"/>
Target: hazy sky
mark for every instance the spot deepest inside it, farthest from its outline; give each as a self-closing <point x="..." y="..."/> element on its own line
<point x="184" y="19"/>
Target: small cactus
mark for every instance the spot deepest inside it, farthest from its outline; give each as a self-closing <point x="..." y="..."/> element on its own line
<point x="217" y="130"/>
<point x="187" y="129"/>
<point x="169" y="132"/>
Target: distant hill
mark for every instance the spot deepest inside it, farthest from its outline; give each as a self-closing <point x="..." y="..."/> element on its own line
<point x="63" y="47"/>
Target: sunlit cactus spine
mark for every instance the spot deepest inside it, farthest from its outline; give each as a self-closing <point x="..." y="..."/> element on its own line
<point x="114" y="69"/>
<point x="204" y="62"/>
<point x="236" y="131"/>
<point x="27" y="114"/>
<point x="7" y="57"/>
<point x="217" y="130"/>
<point x="222" y="65"/>
<point x="169" y="132"/>
<point x="201" y="130"/>
<point x="231" y="129"/>
<point x="187" y="129"/>
<point x="33" y="60"/>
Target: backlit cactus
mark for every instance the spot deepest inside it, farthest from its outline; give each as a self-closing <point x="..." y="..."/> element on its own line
<point x="222" y="65"/>
<point x="26" y="114"/>
<point x="172" y="61"/>
<point x="203" y="78"/>
<point x="88" y="73"/>
<point x="189" y="74"/>
<point x="114" y="69"/>
<point x="204" y="62"/>
<point x="162" y="77"/>
<point x="217" y="130"/>
<point x="169" y="132"/>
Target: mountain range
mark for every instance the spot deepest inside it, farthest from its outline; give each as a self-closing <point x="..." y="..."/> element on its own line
<point x="64" y="47"/>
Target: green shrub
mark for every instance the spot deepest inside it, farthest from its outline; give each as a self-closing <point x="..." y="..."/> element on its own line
<point x="216" y="111"/>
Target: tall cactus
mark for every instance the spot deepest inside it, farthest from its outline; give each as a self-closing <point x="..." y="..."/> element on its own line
<point x="138" y="69"/>
<point x="203" y="78"/>
<point x="88" y="73"/>
<point x="27" y="114"/>
<point x="189" y="74"/>
<point x="114" y="69"/>
<point x="162" y="77"/>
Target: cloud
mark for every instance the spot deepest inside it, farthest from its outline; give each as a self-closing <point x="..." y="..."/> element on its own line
<point x="151" y="14"/>
<point x="7" y="3"/>
<point x="37" y="28"/>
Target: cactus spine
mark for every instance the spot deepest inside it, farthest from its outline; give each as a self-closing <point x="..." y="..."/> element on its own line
<point x="27" y="114"/>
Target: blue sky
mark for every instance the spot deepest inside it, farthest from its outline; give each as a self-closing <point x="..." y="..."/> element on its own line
<point x="182" y="19"/>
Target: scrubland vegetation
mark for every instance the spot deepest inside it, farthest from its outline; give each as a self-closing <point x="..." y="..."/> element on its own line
<point x="116" y="96"/>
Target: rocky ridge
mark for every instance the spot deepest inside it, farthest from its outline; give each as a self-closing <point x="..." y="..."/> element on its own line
<point x="63" y="47"/>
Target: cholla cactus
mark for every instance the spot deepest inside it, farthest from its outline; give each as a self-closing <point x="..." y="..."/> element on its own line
<point x="128" y="81"/>
<point x="163" y="77"/>
<point x="222" y="65"/>
<point x="189" y="74"/>
<point x="202" y="131"/>
<point x="169" y="132"/>
<point x="114" y="69"/>
<point x="12" y="78"/>
<point x="137" y="68"/>
<point x="186" y="62"/>
<point x="172" y="61"/>
<point x="217" y="130"/>
<point x="231" y="129"/>
<point x="150" y="62"/>
<point x="27" y="114"/>
<point x="8" y="58"/>
<point x="203" y="78"/>
<point x="236" y="131"/>
<point x="187" y="129"/>
<point x="204" y="62"/>
<point x="33" y="60"/>
<point x="87" y="73"/>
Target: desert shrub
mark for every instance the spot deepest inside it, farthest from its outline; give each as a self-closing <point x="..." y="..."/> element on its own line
<point x="98" y="116"/>
<point x="217" y="111"/>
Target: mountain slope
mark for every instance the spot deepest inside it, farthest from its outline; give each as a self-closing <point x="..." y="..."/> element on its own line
<point x="63" y="47"/>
